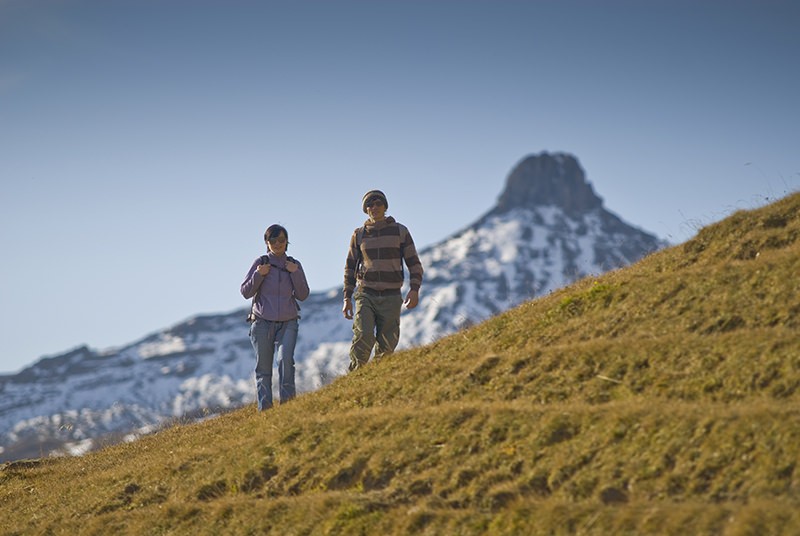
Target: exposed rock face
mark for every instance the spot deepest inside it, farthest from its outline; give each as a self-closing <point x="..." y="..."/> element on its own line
<point x="549" y="180"/>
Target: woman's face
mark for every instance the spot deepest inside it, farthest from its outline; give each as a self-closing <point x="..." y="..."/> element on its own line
<point x="277" y="244"/>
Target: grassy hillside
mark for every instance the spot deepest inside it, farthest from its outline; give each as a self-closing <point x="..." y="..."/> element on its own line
<point x="663" y="398"/>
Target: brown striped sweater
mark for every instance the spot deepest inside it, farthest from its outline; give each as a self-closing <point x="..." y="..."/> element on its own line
<point x="379" y="266"/>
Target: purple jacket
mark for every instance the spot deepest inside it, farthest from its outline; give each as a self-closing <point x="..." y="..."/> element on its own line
<point x="278" y="291"/>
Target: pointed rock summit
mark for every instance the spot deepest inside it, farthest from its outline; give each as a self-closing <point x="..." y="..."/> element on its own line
<point x="548" y="180"/>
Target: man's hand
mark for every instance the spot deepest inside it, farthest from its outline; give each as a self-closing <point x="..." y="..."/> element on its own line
<point x="263" y="269"/>
<point x="412" y="299"/>
<point x="347" y="309"/>
<point x="291" y="267"/>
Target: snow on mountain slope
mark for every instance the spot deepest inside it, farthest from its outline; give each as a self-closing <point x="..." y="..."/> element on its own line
<point x="548" y="229"/>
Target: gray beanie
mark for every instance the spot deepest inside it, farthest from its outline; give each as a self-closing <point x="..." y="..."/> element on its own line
<point x="369" y="196"/>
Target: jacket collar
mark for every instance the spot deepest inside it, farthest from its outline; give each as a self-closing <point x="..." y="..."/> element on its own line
<point x="389" y="220"/>
<point x="277" y="260"/>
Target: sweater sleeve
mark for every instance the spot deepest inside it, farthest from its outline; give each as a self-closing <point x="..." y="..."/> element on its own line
<point x="252" y="281"/>
<point x="350" y="267"/>
<point x="299" y="283"/>
<point x="411" y="258"/>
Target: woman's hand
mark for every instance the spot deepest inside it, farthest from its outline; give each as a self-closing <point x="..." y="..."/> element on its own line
<point x="263" y="269"/>
<point x="291" y="267"/>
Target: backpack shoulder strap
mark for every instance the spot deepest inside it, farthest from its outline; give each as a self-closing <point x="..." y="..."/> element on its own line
<point x="360" y="236"/>
<point x="359" y="240"/>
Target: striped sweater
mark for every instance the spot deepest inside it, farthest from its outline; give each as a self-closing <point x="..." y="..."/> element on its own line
<point x="384" y="245"/>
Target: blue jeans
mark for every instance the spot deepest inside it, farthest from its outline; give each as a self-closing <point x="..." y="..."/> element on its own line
<point x="269" y="338"/>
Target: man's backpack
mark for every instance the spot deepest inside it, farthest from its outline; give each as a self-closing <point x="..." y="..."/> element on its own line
<point x="359" y="239"/>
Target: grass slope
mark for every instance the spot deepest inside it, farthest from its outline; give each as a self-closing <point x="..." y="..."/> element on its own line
<point x="657" y="399"/>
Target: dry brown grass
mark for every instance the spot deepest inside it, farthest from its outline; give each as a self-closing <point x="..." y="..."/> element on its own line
<point x="657" y="399"/>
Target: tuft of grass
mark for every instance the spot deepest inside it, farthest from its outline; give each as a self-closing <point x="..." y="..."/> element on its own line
<point x="662" y="398"/>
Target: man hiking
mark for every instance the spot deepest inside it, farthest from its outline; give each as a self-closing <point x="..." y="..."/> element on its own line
<point x="375" y="264"/>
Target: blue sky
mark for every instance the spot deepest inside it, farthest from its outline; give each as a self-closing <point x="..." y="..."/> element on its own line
<point x="145" y="146"/>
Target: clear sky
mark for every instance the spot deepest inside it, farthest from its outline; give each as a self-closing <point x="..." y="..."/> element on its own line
<point x="146" y="145"/>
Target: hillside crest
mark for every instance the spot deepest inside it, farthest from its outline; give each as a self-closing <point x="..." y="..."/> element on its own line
<point x="660" y="398"/>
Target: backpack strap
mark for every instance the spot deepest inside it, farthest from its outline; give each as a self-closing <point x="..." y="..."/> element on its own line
<point x="360" y="236"/>
<point x="359" y="240"/>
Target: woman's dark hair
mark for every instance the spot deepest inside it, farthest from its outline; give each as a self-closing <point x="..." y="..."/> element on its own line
<point x="274" y="231"/>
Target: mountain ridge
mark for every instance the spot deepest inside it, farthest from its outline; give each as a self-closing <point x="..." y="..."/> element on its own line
<point x="204" y="364"/>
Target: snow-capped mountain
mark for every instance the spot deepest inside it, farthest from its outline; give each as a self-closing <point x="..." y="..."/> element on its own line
<point x="547" y="230"/>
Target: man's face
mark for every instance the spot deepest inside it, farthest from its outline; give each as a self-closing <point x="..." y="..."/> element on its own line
<point x="376" y="210"/>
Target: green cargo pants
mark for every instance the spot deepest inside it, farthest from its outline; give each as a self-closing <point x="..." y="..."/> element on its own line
<point x="376" y="324"/>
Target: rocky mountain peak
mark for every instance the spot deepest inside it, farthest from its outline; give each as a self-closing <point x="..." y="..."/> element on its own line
<point x="76" y="401"/>
<point x="548" y="180"/>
